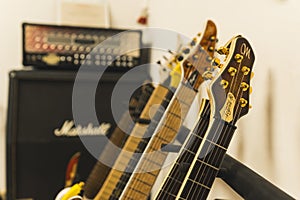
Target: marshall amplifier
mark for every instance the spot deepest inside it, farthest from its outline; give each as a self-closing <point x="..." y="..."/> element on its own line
<point x="41" y="138"/>
<point x="69" y="47"/>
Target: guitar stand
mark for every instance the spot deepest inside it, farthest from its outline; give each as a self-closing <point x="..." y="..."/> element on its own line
<point x="242" y="179"/>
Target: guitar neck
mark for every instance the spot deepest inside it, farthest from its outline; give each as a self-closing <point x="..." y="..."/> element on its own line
<point x="207" y="161"/>
<point x="147" y="170"/>
<point x="173" y="181"/>
<point x="118" y="137"/>
<point x="135" y="143"/>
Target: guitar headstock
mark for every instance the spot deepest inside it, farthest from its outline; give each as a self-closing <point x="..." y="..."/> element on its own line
<point x="230" y="89"/>
<point x="197" y="57"/>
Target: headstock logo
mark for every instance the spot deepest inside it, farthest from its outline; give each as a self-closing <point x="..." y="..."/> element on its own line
<point x="245" y="51"/>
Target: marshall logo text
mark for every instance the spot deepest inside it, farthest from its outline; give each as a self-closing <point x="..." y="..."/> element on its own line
<point x="70" y="130"/>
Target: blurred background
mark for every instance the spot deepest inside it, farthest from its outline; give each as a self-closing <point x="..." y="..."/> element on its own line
<point x="268" y="138"/>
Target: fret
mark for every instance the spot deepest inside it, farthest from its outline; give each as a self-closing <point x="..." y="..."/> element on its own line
<point x="203" y="173"/>
<point x="170" y="121"/>
<point x="186" y="156"/>
<point x="187" y="192"/>
<point x="135" y="144"/>
<point x="211" y="154"/>
<point x="224" y="139"/>
<point x="205" y="168"/>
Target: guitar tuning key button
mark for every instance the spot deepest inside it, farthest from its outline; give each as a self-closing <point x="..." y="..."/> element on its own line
<point x="211" y="49"/>
<point x="252" y="75"/>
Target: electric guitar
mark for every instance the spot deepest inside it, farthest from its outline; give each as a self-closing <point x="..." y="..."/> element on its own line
<point x="229" y="100"/>
<point x="160" y="96"/>
<point x="100" y="170"/>
<point x="196" y="65"/>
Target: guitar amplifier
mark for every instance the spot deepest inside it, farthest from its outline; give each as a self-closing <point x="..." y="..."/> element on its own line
<point x="69" y="47"/>
<point x="40" y="131"/>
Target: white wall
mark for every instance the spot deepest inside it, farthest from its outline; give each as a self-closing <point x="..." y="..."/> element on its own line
<point x="272" y="26"/>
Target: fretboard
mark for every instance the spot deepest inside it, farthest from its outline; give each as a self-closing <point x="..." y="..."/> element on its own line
<point x="118" y="137"/>
<point x="206" y="164"/>
<point x="136" y="142"/>
<point x="148" y="167"/>
<point x="172" y="183"/>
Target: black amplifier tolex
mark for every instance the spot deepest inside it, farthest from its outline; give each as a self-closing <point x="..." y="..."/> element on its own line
<point x="69" y="47"/>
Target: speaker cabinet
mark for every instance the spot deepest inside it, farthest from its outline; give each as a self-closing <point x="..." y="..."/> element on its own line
<point x="39" y="103"/>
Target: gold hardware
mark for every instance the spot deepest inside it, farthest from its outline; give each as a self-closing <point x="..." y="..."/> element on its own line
<point x="250" y="106"/>
<point x="227" y="110"/>
<point x="195" y="57"/>
<point x="216" y="62"/>
<point x="238" y="58"/>
<point x="199" y="34"/>
<point x="224" y="84"/>
<point x="51" y="59"/>
<point x="250" y="90"/>
<point x="232" y="71"/>
<point x="212" y="38"/>
<point x="223" y="50"/>
<point x="243" y="102"/>
<point x="252" y="75"/>
<point x="207" y="75"/>
<point x="246" y="70"/>
<point x="244" y="86"/>
<point x="211" y="48"/>
<point x="189" y="64"/>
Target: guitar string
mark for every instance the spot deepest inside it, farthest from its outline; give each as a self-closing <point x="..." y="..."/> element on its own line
<point x="226" y="131"/>
<point x="200" y="126"/>
<point x="109" y="181"/>
<point x="190" y="135"/>
<point x="137" y="101"/>
<point x="199" y="60"/>
<point x="157" y="141"/>
<point x="220" y="127"/>
<point x="239" y="110"/>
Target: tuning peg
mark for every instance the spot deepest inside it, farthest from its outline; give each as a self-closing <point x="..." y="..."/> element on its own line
<point x="180" y="58"/>
<point x="223" y="51"/>
<point x="171" y="52"/>
<point x="250" y="90"/>
<point x="186" y="51"/>
<point x="193" y="42"/>
<point x="199" y="34"/>
<point x="207" y="75"/>
<point x="238" y="58"/>
<point x="243" y="102"/>
<point x="165" y="58"/>
<point x="224" y="84"/>
<point x="250" y="106"/>
<point x="216" y="62"/>
<point x="245" y="70"/>
<point x="212" y="38"/>
<point x="158" y="62"/>
<point x="232" y="71"/>
<point x="211" y="48"/>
